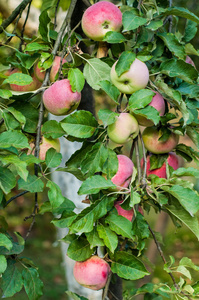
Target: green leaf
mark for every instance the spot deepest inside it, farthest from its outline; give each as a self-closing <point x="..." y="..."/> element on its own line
<point x="5" y="241"/>
<point x="19" y="79"/>
<point x="13" y="138"/>
<point x="135" y="198"/>
<point x="113" y="37"/>
<point x="3" y="264"/>
<point x="18" y="163"/>
<point x="94" y="239"/>
<point x="120" y="225"/>
<point x="110" y="167"/>
<point x="73" y="170"/>
<point x="93" y="184"/>
<point x="66" y="219"/>
<point x="127" y="266"/>
<point x="76" y="79"/>
<point x="173" y="44"/>
<point x="140" y="226"/>
<point x="7" y="180"/>
<point x="34" y="46"/>
<point x="181" y="12"/>
<point x="187" y="262"/>
<point x="131" y="21"/>
<point x="55" y="194"/>
<point x="33" y="184"/>
<point x="88" y="216"/>
<point x="32" y="283"/>
<point x="190" y="31"/>
<point x="149" y="112"/>
<point x="66" y="206"/>
<point x="124" y="62"/>
<point x="191" y="90"/>
<point x="77" y="157"/>
<point x="11" y="281"/>
<point x="108" y="236"/>
<point x="17" y="115"/>
<point x="80" y="124"/>
<point x="79" y="249"/>
<point x="156" y="161"/>
<point x="5" y="94"/>
<point x="190" y="50"/>
<point x="188" y="198"/>
<point x="44" y="20"/>
<point x="107" y="116"/>
<point x="190" y="171"/>
<point x="140" y="99"/>
<point x="179" y="68"/>
<point x="110" y="89"/>
<point x="155" y="24"/>
<point x="75" y="296"/>
<point x="181" y="214"/>
<point x="95" y="71"/>
<point x="53" y="159"/>
<point x="52" y="129"/>
<point x="94" y="159"/>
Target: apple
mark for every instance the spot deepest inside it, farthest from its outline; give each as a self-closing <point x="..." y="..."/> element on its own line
<point x="172" y="160"/>
<point x="59" y="99"/>
<point x="136" y="78"/>
<point x="190" y="61"/>
<point x="101" y="18"/>
<point x="124" y="129"/>
<point x="45" y="145"/>
<point x="92" y="273"/>
<point x="152" y="143"/>
<point x="34" y="85"/>
<point x="128" y="214"/>
<point x="159" y="104"/>
<point x="40" y="72"/>
<point x="124" y="173"/>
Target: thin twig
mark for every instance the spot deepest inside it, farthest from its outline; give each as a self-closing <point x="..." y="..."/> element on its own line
<point x="87" y="3"/>
<point x="106" y="289"/>
<point x="143" y="180"/>
<point x="138" y="160"/>
<point x="15" y="197"/>
<point x="55" y="19"/>
<point x="24" y="25"/>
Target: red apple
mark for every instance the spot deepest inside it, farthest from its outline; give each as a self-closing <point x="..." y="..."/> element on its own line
<point x="124" y="173"/>
<point x="124" y="129"/>
<point x="101" y="18"/>
<point x="136" y="78"/>
<point x="159" y="104"/>
<point x="34" y="85"/>
<point x="59" y="99"/>
<point x="92" y="273"/>
<point x="40" y="72"/>
<point x="172" y="160"/>
<point x="45" y="145"/>
<point x="128" y="214"/>
<point x="152" y="143"/>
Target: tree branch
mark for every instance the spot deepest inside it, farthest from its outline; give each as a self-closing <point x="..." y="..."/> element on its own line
<point x="15" y="197"/>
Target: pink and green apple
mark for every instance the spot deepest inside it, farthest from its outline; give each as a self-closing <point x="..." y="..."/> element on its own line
<point x="45" y="145"/>
<point x="34" y="85"/>
<point x="124" y="173"/>
<point x="128" y="214"/>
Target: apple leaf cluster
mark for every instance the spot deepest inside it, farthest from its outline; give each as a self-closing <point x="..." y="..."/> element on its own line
<point x="144" y="37"/>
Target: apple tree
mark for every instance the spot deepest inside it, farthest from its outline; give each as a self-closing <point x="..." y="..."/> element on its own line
<point x="133" y="160"/>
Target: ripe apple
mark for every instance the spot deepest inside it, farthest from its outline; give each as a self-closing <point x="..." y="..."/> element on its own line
<point x="46" y="143"/>
<point x="40" y="73"/>
<point x="101" y="18"/>
<point x="172" y="160"/>
<point x="34" y="85"/>
<point x="124" y="173"/>
<point x="128" y="214"/>
<point x="124" y="129"/>
<point x="136" y="78"/>
<point x="159" y="104"/>
<point x="152" y="143"/>
<point x="59" y="99"/>
<point x="92" y="273"/>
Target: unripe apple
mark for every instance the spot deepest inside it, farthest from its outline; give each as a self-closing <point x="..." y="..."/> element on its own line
<point x="92" y="273"/>
<point x="45" y="145"/>
<point x="101" y="18"/>
<point x="124" y="173"/>
<point x="128" y="214"/>
<point x="59" y="99"/>
<point x="124" y="129"/>
<point x="136" y="78"/>
<point x="40" y="72"/>
<point x="172" y="160"/>
<point x="159" y="104"/>
<point x="152" y="143"/>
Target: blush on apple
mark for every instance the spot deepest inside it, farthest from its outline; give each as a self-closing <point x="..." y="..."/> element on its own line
<point x="124" y="173"/>
<point x="101" y="18"/>
<point x="128" y="214"/>
<point x="59" y="99"/>
<point x="34" y="85"/>
<point x="92" y="273"/>
<point x="172" y="160"/>
<point x="124" y="129"/>
<point x="152" y="143"/>
<point x="136" y="78"/>
<point x="45" y="145"/>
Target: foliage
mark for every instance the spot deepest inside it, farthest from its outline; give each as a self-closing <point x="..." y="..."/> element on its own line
<point x="147" y="35"/>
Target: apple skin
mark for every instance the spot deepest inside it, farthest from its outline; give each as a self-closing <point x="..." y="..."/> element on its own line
<point x="92" y="273"/>
<point x="190" y="61"/>
<point x="128" y="214"/>
<point x="124" y="173"/>
<point x="34" y="85"/>
<point x="45" y="145"/>
<point x="40" y="73"/>
<point x="101" y="18"/>
<point x="136" y="78"/>
<point x="124" y="129"/>
<point x="150" y="137"/>
<point x="159" y="104"/>
<point x="172" y="160"/>
<point x="59" y="99"/>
